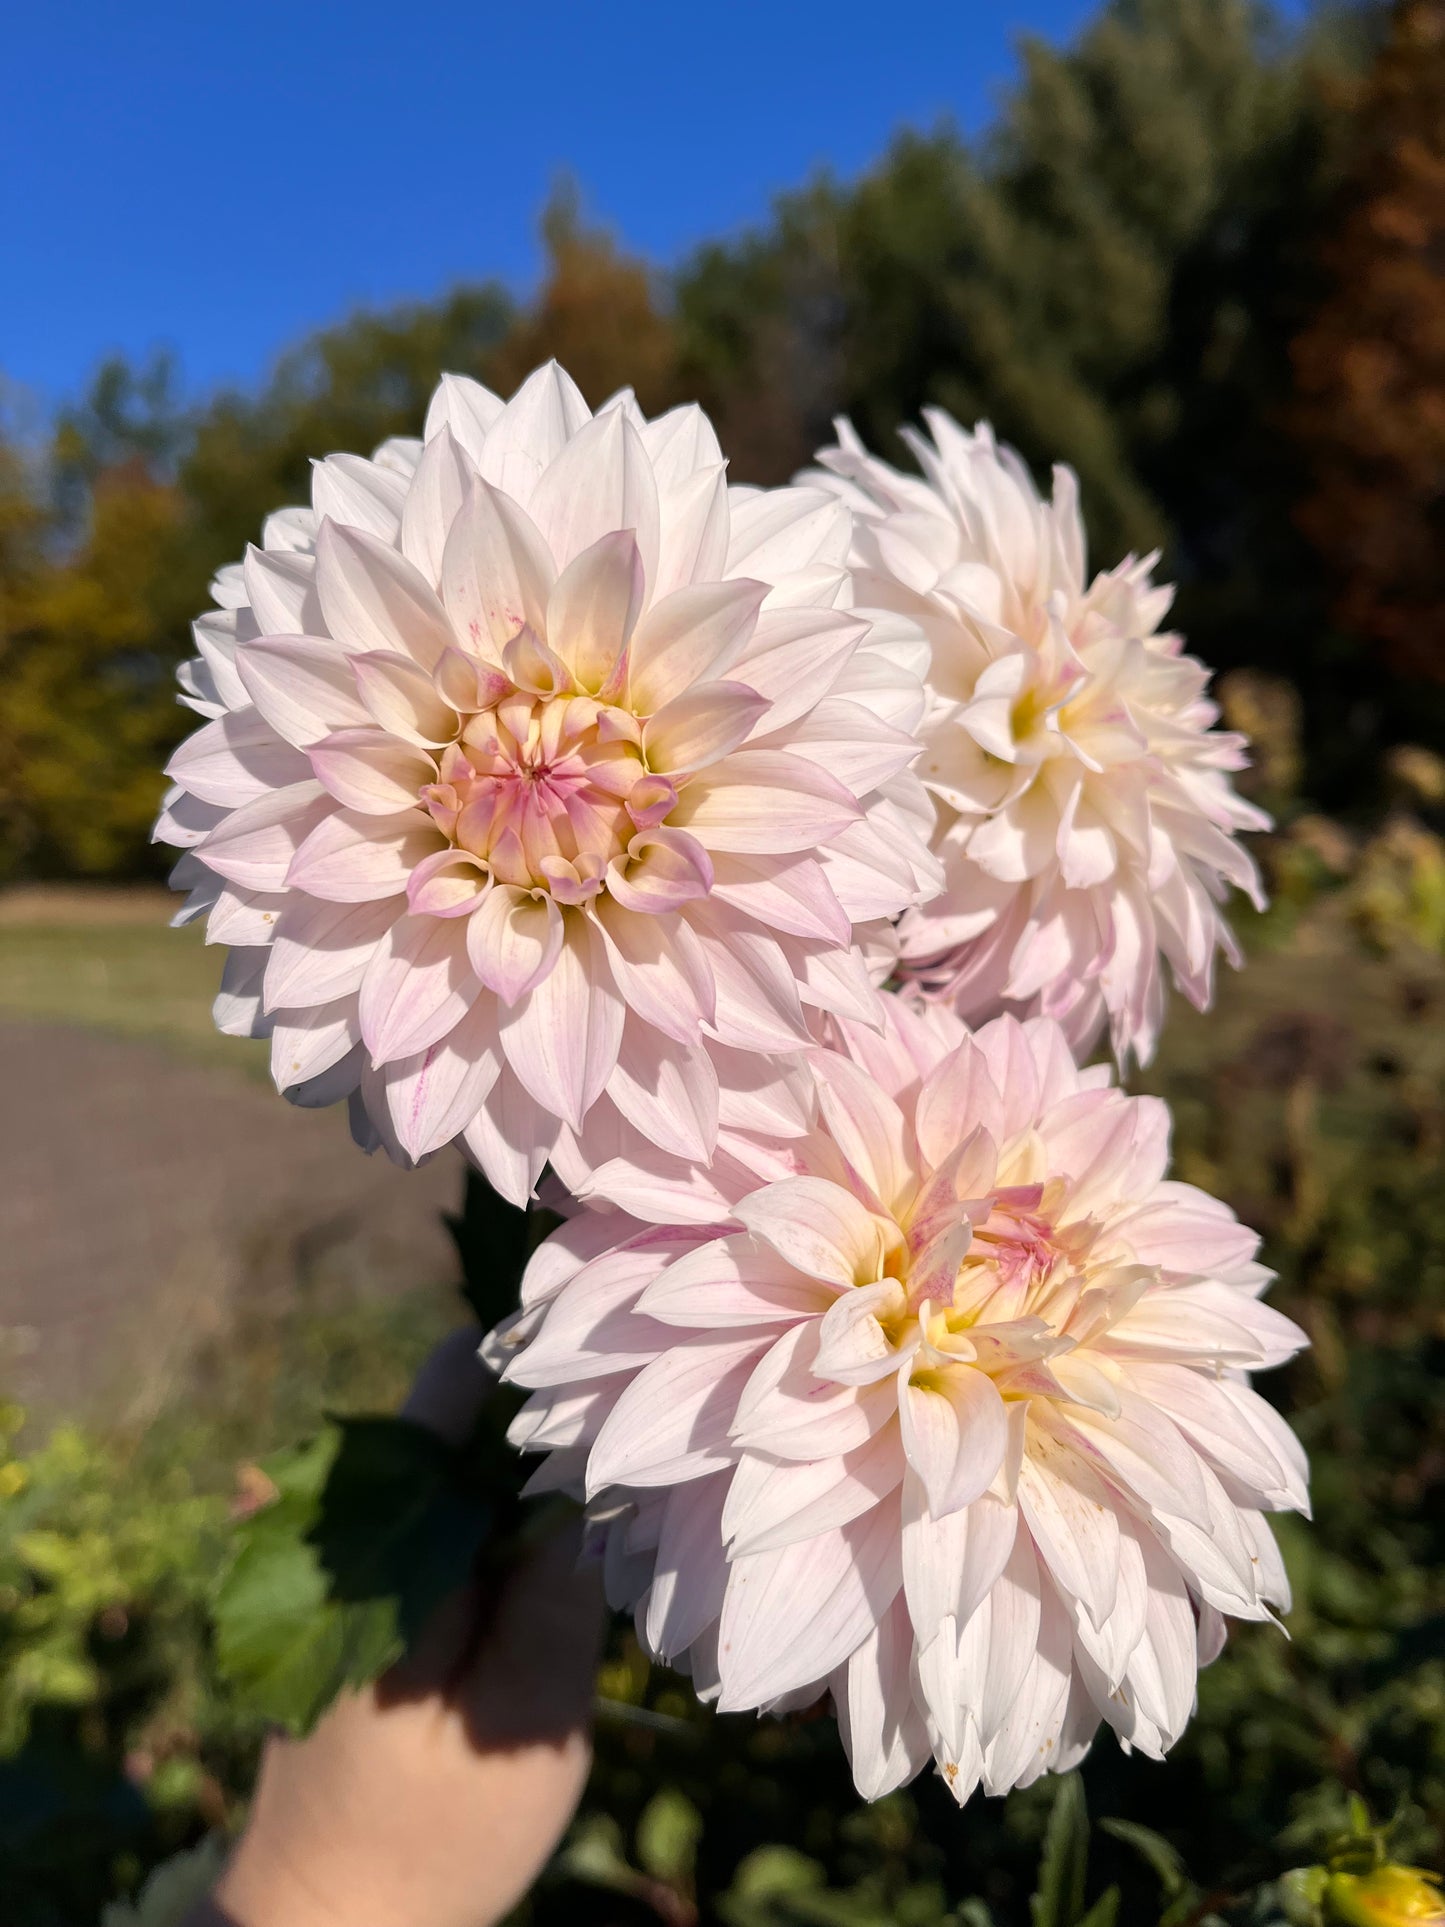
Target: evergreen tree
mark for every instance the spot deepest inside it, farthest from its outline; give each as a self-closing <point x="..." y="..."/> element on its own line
<point x="1113" y="277"/>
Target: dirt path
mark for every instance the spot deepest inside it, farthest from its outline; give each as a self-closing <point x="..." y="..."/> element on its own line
<point x="139" y="1193"/>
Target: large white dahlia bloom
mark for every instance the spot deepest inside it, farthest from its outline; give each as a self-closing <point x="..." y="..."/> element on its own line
<point x="536" y="794"/>
<point x="1086" y="818"/>
<point x="952" y="1421"/>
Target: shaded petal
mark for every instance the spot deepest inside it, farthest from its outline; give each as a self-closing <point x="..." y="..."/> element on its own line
<point x="514" y="940"/>
<point x="817" y="1226"/>
<point x="371" y="771"/>
<point x="302" y="685"/>
<point x="671" y="1424"/>
<point x="765" y="802"/>
<point x="794" y="1614"/>
<point x="417" y="988"/>
<point x="562" y="1036"/>
<point x="354" y="859"/>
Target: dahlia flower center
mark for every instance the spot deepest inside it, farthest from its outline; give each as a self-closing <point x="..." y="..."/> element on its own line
<point x="1016" y="1241"/>
<point x="547" y="791"/>
<point x="1020" y="1262"/>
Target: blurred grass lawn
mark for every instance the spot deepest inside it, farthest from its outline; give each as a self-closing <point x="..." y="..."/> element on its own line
<point x="134" y="978"/>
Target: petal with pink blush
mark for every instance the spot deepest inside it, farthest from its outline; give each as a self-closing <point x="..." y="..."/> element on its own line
<point x="434" y="1094"/>
<point x="467" y="682"/>
<point x="659" y="966"/>
<point x="690" y="636"/>
<point x="790" y="894"/>
<point x="954" y="1433"/>
<point x="771" y="1504"/>
<point x="957" y="1098"/>
<point x="305" y="1043"/>
<point x="737" y="1280"/>
<point x="792" y="1614"/>
<point x="236" y="759"/>
<point x="562" y="1037"/>
<point x="868" y="1128"/>
<point x="511" y="1138"/>
<point x="671" y="1422"/>
<point x="256" y="844"/>
<point x="320" y="950"/>
<point x="450" y="884"/>
<point x="817" y="1226"/>
<point x="371" y="771"/>
<point x="864" y="1333"/>
<point x="662" y="870"/>
<point x="779" y="530"/>
<point x="794" y="656"/>
<point x="669" y="1091"/>
<point x="701" y="726"/>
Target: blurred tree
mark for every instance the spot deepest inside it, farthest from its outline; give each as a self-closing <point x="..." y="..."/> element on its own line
<point x="1113" y="277"/>
<point x="87" y="707"/>
<point x="597" y="313"/>
<point x="347" y="387"/>
<point x="128" y="415"/>
<point x="1371" y="366"/>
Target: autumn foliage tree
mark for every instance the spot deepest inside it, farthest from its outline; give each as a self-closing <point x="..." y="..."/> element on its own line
<point x="598" y="312"/>
<point x="1371" y="367"/>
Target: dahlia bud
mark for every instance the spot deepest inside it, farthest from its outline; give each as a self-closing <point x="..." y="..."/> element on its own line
<point x="1388" y="1896"/>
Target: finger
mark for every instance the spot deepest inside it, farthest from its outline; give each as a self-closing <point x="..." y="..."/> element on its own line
<point x="451" y="1387"/>
<point x="532" y="1677"/>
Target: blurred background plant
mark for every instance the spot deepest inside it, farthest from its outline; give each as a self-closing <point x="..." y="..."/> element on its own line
<point x="1199" y="257"/>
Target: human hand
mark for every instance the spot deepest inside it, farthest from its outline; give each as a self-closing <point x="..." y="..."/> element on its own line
<point x="435" y="1797"/>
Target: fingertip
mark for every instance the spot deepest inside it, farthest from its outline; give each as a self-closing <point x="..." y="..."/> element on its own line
<point x="452" y="1386"/>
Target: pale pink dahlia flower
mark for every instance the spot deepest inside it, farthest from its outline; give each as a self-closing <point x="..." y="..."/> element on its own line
<point x="951" y="1422"/>
<point x="1086" y="818"/>
<point x="537" y="792"/>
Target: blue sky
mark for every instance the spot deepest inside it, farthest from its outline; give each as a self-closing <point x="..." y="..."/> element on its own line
<point x="217" y="179"/>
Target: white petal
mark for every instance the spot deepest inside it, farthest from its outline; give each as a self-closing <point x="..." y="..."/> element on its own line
<point x="562" y="1037"/>
<point x="321" y="950"/>
<point x="302" y="685"/>
<point x="817" y="1226"/>
<point x="600" y="482"/>
<point x="954" y="1433"/>
<point x="441" y="480"/>
<point x="671" y="1424"/>
<point x="357" y="859"/>
<point x="794" y="1614"/>
<point x="374" y="599"/>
